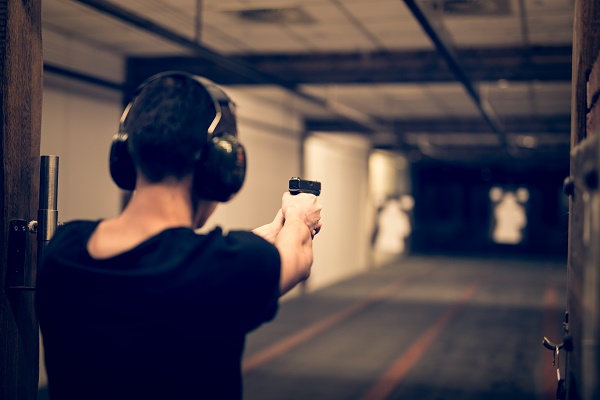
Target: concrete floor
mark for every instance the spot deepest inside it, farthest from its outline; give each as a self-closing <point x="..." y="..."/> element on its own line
<point x="425" y="328"/>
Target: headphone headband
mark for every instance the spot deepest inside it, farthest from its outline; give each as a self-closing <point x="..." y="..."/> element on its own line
<point x="225" y="116"/>
<point x="221" y="168"/>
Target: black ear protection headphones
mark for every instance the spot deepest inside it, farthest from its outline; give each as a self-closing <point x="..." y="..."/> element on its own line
<point x="221" y="168"/>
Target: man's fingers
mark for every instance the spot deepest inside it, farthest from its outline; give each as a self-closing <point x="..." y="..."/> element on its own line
<point x="279" y="217"/>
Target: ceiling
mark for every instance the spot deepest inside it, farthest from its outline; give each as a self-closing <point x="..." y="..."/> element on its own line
<point x="491" y="78"/>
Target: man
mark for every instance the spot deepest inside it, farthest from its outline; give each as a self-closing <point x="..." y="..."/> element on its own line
<point x="141" y="306"/>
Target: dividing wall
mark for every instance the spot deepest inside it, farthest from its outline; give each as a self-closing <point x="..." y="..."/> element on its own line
<point x="340" y="162"/>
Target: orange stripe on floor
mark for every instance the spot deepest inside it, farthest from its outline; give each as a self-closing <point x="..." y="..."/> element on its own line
<point x="402" y="365"/>
<point x="283" y="346"/>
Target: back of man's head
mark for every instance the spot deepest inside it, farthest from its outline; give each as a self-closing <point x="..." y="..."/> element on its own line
<point x="167" y="126"/>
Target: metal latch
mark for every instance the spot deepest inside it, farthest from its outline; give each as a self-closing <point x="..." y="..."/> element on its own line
<point x="17" y="248"/>
<point x="18" y="276"/>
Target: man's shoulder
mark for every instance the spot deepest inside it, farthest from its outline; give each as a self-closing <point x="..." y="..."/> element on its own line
<point x="73" y="230"/>
<point x="77" y="225"/>
<point x="242" y="247"/>
<point x="247" y="240"/>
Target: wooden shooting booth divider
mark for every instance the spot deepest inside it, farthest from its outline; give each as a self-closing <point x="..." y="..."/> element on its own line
<point x="584" y="260"/>
<point x="20" y="125"/>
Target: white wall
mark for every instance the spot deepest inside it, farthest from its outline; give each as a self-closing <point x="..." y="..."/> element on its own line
<point x="339" y="162"/>
<point x="78" y="122"/>
<point x="271" y="134"/>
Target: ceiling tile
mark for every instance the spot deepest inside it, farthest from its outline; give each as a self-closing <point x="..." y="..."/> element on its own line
<point x="373" y="25"/>
<point x="379" y="10"/>
<point x="482" y="31"/>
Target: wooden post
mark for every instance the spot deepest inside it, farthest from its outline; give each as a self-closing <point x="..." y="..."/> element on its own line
<point x="586" y="44"/>
<point x="586" y="47"/>
<point x="20" y="125"/>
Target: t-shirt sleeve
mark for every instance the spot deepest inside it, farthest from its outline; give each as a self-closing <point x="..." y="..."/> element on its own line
<point x="255" y="288"/>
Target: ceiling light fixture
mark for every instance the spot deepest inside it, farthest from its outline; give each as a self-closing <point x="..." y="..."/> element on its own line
<point x="271" y="13"/>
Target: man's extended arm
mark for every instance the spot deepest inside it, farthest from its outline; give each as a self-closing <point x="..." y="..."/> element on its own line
<point x="270" y="231"/>
<point x="294" y="243"/>
<point x="292" y="230"/>
<point x="302" y="215"/>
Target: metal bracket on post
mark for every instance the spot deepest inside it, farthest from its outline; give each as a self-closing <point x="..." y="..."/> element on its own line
<point x="19" y="277"/>
<point x="17" y="247"/>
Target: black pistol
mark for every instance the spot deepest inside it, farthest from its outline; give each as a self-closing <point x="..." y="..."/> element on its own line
<point x="298" y="185"/>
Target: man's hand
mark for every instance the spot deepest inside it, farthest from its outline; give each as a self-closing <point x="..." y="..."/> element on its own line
<point x="302" y="220"/>
<point x="270" y="231"/>
<point x="305" y="207"/>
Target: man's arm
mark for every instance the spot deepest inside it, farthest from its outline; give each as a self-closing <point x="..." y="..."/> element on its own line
<point x="302" y="215"/>
<point x="294" y="243"/>
<point x="292" y="230"/>
<point x="270" y="231"/>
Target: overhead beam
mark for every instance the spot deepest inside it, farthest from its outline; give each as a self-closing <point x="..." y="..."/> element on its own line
<point x="440" y="40"/>
<point x="551" y="64"/>
<point x="548" y="158"/>
<point x="560" y="124"/>
<point x="234" y="66"/>
<point x="82" y="77"/>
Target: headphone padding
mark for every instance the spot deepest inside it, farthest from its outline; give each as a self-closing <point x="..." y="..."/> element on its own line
<point x="221" y="170"/>
<point x="121" y="164"/>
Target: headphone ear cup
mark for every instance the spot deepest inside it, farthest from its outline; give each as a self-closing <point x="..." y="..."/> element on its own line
<point x="122" y="169"/>
<point x="221" y="170"/>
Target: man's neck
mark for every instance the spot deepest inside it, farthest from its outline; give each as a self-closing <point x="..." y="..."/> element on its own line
<point x="152" y="209"/>
<point x="160" y="206"/>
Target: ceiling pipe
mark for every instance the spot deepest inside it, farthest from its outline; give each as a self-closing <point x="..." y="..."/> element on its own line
<point x="447" y="53"/>
<point x="232" y="65"/>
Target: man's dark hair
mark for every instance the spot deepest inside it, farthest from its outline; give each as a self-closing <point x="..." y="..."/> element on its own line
<point x="167" y="127"/>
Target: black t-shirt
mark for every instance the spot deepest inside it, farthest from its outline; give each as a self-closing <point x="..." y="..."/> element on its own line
<point x="164" y="320"/>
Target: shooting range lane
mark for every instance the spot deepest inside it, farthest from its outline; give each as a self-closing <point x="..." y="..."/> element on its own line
<point x="452" y="328"/>
<point x="313" y="328"/>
